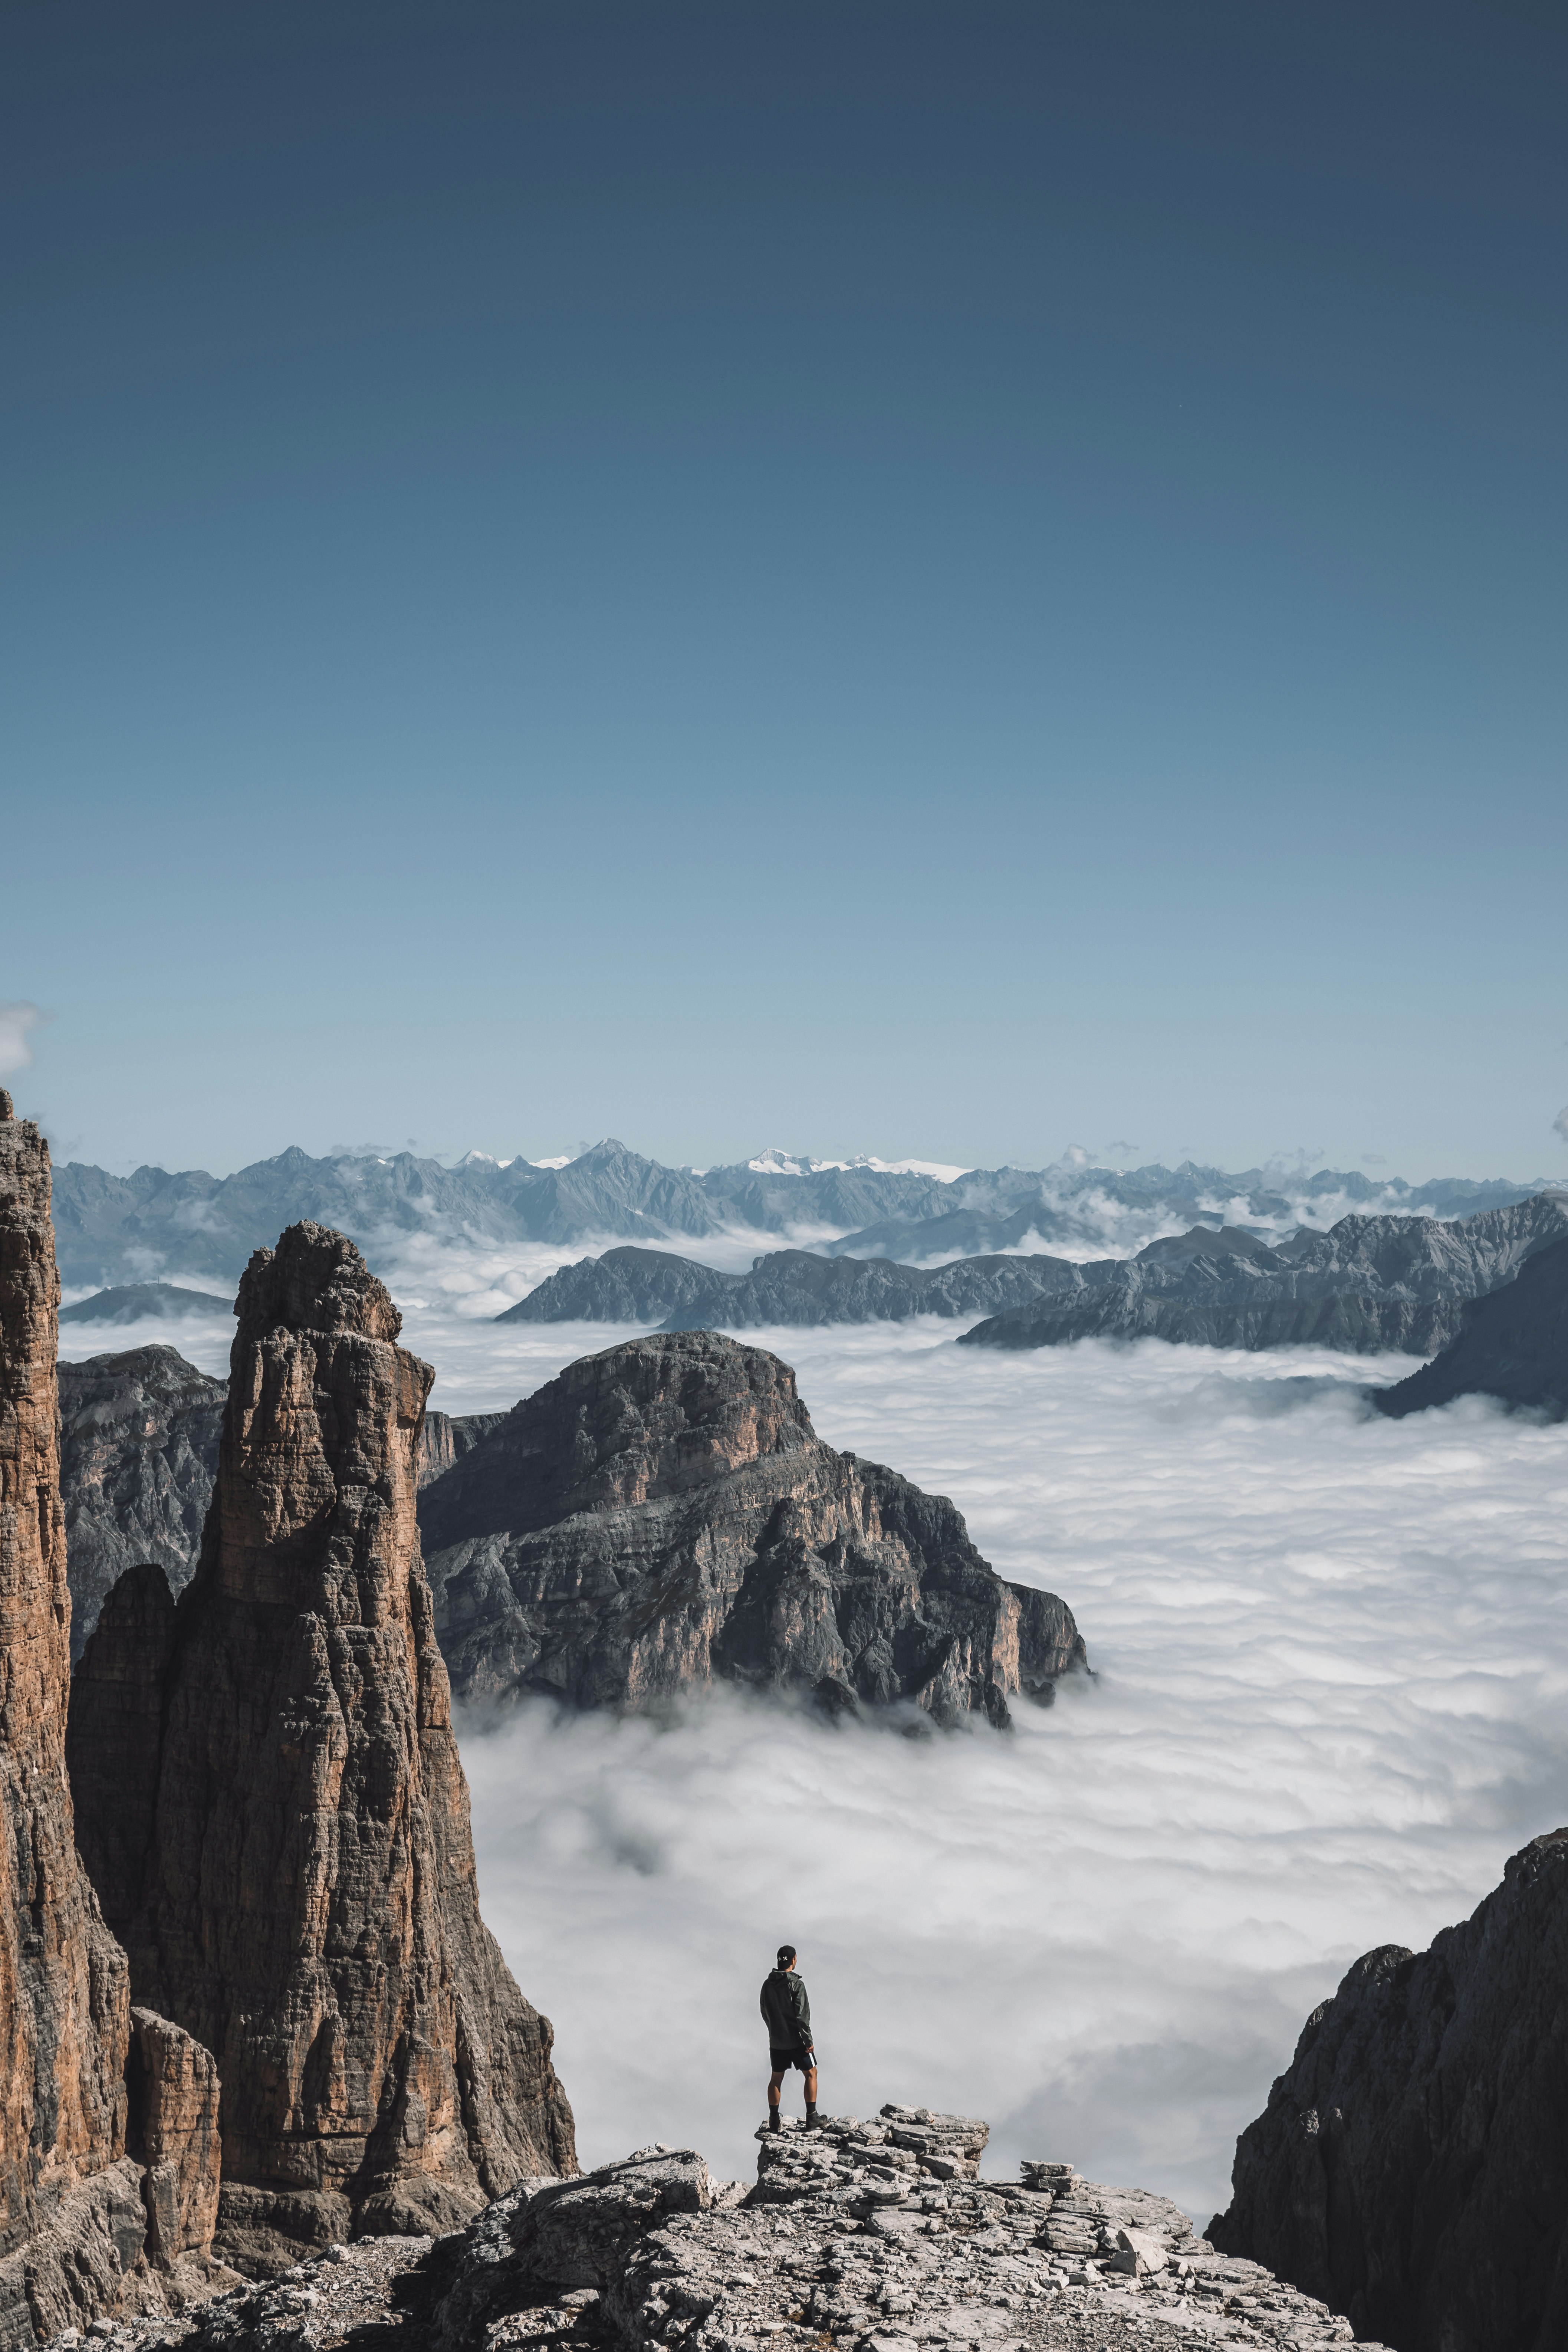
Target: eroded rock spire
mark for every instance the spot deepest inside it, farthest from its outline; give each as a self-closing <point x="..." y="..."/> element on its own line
<point x="272" y="1801"/>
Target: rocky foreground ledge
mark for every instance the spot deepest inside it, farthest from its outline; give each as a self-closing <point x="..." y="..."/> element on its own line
<point x="856" y="2237"/>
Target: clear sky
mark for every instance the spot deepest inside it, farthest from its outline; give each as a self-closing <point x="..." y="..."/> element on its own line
<point x="952" y="579"/>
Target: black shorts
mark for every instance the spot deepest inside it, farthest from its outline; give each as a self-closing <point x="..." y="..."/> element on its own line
<point x="783" y="2059"/>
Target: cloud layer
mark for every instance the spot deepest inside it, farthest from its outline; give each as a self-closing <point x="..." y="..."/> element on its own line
<point x="1332" y="1655"/>
<point x="1332" y="1660"/>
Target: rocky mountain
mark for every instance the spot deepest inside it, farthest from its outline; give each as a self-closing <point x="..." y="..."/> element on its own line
<point x="138" y="1448"/>
<point x="118" y="1230"/>
<point x="1512" y="1344"/>
<point x="271" y="1804"/>
<point x="1368" y="1284"/>
<point x="139" y="1451"/>
<point x="879" y="2235"/>
<point x="1411" y="2167"/>
<point x="137" y="1302"/>
<point x="786" y="1286"/>
<point x="108" y="2130"/>
<point x="663" y="1516"/>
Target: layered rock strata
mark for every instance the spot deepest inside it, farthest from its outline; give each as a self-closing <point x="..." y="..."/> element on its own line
<point x="65" y="2023"/>
<point x="138" y="1446"/>
<point x="1411" y="2167"/>
<point x="271" y="1802"/>
<point x="1512" y="1344"/>
<point x="81" y="2220"/>
<point x="861" y="2236"/>
<point x="663" y="1517"/>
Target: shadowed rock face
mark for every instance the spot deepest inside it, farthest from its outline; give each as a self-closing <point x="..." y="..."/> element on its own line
<point x="270" y="1801"/>
<point x="138" y="1445"/>
<point x="663" y="1516"/>
<point x="65" y="2019"/>
<point x="1412" y="2166"/>
<point x="1513" y="1345"/>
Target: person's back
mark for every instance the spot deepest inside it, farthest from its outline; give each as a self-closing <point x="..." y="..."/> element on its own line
<point x="786" y="2013"/>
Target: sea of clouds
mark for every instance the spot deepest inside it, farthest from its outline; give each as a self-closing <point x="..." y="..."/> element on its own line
<point x="1331" y="1658"/>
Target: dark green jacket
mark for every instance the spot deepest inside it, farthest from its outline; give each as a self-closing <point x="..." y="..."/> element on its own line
<point x="786" y="2010"/>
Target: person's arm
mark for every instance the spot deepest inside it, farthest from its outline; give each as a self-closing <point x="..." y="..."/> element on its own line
<point x="802" y="2009"/>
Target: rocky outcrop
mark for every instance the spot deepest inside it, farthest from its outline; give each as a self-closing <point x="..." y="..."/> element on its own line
<point x="138" y="1446"/>
<point x="1411" y="2167"/>
<point x="445" y="1438"/>
<point x="108" y="2182"/>
<point x="1367" y="1284"/>
<point x="1513" y="1345"/>
<point x="663" y="1516"/>
<point x="271" y="1802"/>
<point x="65" y="2023"/>
<point x="878" y="2235"/>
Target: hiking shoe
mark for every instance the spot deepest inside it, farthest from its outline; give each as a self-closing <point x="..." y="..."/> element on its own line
<point x="775" y="2121"/>
<point x="813" y="2120"/>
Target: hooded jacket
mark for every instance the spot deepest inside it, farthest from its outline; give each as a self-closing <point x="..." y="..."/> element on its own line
<point x="786" y="2010"/>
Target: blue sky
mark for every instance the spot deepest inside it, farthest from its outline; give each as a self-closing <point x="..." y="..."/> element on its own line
<point x="952" y="581"/>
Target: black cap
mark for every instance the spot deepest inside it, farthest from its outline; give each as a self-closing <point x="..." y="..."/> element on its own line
<point x="786" y="1955"/>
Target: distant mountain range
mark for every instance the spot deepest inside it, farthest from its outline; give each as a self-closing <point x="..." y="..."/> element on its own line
<point x="154" y="1226"/>
<point x="1368" y="1284"/>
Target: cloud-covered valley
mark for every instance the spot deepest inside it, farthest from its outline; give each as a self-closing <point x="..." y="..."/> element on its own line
<point x="1332" y="1657"/>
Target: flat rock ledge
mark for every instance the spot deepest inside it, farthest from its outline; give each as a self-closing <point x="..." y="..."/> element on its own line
<point x="873" y="2236"/>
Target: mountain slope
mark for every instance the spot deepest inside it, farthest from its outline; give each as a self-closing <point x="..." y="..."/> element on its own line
<point x="1512" y="1344"/>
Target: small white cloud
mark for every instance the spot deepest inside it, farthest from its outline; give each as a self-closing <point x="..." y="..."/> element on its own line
<point x="16" y="1024"/>
<point x="1559" y="1124"/>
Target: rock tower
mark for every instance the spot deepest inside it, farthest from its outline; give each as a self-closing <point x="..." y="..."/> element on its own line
<point x="65" y="2008"/>
<point x="271" y="1802"/>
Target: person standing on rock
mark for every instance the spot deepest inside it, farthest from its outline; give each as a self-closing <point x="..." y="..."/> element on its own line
<point x="786" y="2012"/>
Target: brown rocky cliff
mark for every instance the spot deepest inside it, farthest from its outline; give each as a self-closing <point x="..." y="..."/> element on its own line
<point x="64" y="2001"/>
<point x="272" y="1801"/>
<point x="663" y="1516"/>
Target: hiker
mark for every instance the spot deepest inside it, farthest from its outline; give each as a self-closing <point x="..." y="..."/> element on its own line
<point x="786" y="2012"/>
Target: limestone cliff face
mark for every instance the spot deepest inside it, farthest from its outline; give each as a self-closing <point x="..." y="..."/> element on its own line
<point x="1411" y="2167"/>
<point x="271" y="1802"/>
<point x="663" y="1516"/>
<point x="65" y="2019"/>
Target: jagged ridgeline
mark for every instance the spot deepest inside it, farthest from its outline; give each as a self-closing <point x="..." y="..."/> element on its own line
<point x="190" y="1227"/>
<point x="271" y="1806"/>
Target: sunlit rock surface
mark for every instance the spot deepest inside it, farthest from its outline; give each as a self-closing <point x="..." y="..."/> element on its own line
<point x="271" y="1799"/>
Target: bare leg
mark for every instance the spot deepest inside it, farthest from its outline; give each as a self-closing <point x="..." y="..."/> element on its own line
<point x="775" y="2084"/>
<point x="810" y="2087"/>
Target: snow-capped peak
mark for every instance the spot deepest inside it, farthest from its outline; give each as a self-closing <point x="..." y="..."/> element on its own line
<point x="774" y="1163"/>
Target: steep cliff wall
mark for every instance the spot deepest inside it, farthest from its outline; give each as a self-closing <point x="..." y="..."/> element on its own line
<point x="663" y="1516"/>
<point x="64" y="2010"/>
<point x="1411" y="2167"/>
<point x="1512" y="1344"/>
<point x="271" y="1802"/>
<point x="139" y="1444"/>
